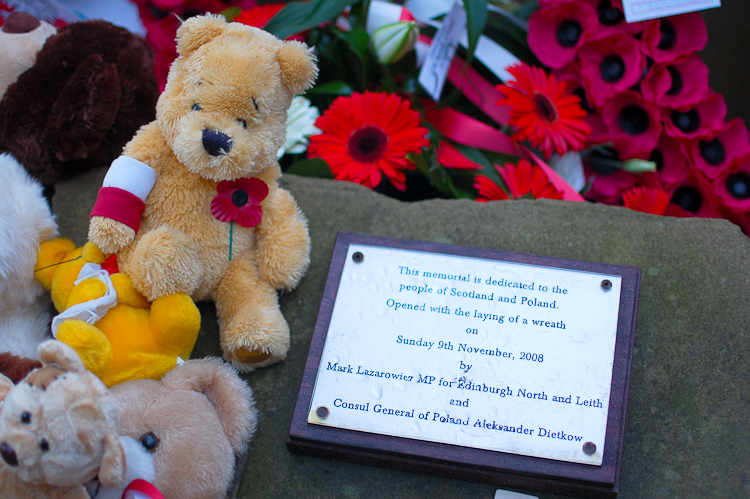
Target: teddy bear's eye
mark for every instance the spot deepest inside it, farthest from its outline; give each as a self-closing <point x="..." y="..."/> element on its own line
<point x="196" y="107"/>
<point x="150" y="442"/>
<point x="255" y="104"/>
<point x="44" y="445"/>
<point x="243" y="123"/>
<point x="26" y="417"/>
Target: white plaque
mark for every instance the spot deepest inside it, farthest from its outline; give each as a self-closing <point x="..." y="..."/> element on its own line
<point x="472" y="352"/>
<point x="641" y="10"/>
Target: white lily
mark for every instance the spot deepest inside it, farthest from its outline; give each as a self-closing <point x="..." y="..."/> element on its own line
<point x="300" y="124"/>
<point x="393" y="41"/>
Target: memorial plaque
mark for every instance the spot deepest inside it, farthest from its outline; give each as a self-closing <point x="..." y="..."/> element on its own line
<point x="474" y="363"/>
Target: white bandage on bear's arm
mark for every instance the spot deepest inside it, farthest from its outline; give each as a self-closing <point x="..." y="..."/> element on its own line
<point x="131" y="175"/>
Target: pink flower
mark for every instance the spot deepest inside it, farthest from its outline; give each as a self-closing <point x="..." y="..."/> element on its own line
<point x="610" y="66"/>
<point x="714" y="153"/>
<point x="671" y="164"/>
<point x="612" y="19"/>
<point x="610" y="182"/>
<point x="673" y="37"/>
<point x="733" y="186"/>
<point x="239" y="200"/>
<point x="693" y="197"/>
<point x="556" y="33"/>
<point x="677" y="85"/>
<point x="705" y="118"/>
<point x="633" y="124"/>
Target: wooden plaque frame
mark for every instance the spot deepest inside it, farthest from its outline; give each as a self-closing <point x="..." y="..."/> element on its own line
<point x="467" y="463"/>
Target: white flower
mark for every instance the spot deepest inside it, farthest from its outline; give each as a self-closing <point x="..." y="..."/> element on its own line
<point x="300" y="124"/>
<point x="393" y="41"/>
<point x="570" y="168"/>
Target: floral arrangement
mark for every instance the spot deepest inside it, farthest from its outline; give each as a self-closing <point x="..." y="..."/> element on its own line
<point x="584" y="105"/>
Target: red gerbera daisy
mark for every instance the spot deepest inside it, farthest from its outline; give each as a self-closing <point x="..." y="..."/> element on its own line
<point x="488" y="190"/>
<point x="239" y="201"/>
<point x="366" y="136"/>
<point x="646" y="200"/>
<point x="525" y="178"/>
<point x="544" y="113"/>
<point x="259" y="15"/>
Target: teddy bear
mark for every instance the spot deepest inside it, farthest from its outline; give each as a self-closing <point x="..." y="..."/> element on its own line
<point x="192" y="424"/>
<point x="25" y="222"/>
<point x="194" y="204"/>
<point x="117" y="333"/>
<point x="91" y="86"/>
<point x="58" y="430"/>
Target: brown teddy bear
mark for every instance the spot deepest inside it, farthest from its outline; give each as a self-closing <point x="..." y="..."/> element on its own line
<point x="189" y="427"/>
<point x="90" y="88"/>
<point x="194" y="205"/>
<point x="58" y="430"/>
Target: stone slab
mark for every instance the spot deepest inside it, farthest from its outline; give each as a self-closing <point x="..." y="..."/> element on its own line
<point x="688" y="430"/>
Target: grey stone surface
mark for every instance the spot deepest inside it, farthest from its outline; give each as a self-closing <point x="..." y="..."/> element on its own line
<point x="687" y="432"/>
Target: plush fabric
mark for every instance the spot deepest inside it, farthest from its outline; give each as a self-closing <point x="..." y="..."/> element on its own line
<point x="222" y="117"/>
<point x="91" y="87"/>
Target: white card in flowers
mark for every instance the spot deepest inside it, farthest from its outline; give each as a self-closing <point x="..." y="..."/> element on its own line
<point x="641" y="10"/>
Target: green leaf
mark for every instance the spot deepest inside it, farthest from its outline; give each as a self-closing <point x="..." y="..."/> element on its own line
<point x="358" y="41"/>
<point x="476" y="18"/>
<point x="358" y="14"/>
<point x="332" y="88"/>
<point x="301" y="16"/>
<point x="230" y="13"/>
<point x="314" y="167"/>
<point x="528" y="9"/>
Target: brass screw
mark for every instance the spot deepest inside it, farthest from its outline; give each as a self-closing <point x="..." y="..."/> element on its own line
<point x="358" y="257"/>
<point x="606" y="284"/>
<point x="589" y="448"/>
<point x="322" y="412"/>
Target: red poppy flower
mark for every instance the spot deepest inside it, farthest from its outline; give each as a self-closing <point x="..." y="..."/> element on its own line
<point x="634" y="125"/>
<point x="693" y="197"/>
<point x="671" y="164"/>
<point x="239" y="201"/>
<point x="705" y="118"/>
<point x="612" y="19"/>
<point x="733" y="186"/>
<point x="646" y="200"/>
<point x="545" y="115"/>
<point x="676" y="85"/>
<point x="525" y="178"/>
<point x="610" y="66"/>
<point x="366" y="136"/>
<point x="610" y="182"/>
<point x="714" y="153"/>
<point x="673" y="37"/>
<point x="556" y="33"/>
<point x="488" y="190"/>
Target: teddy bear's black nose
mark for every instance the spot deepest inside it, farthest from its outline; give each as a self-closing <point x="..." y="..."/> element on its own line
<point x="9" y="455"/>
<point x="216" y="143"/>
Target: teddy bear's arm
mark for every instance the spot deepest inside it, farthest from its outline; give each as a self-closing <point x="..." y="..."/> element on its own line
<point x="283" y="242"/>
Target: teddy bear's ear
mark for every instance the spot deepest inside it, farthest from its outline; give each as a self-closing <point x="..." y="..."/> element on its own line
<point x="6" y="385"/>
<point x="57" y="352"/>
<point x="198" y="31"/>
<point x="113" y="468"/>
<point x="230" y="396"/>
<point x="299" y="66"/>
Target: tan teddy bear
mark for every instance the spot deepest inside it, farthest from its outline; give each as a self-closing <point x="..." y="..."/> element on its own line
<point x="194" y="205"/>
<point x="189" y="427"/>
<point x="58" y="429"/>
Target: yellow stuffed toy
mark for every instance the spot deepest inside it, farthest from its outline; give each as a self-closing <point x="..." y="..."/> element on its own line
<point x="118" y="337"/>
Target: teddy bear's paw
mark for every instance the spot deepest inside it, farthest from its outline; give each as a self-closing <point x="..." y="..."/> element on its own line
<point x="255" y="337"/>
<point x="109" y="235"/>
<point x="165" y="261"/>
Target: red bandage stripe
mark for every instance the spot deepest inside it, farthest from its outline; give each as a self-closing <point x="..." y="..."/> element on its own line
<point x="120" y="205"/>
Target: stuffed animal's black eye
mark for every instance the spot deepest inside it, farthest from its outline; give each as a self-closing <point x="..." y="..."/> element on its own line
<point x="26" y="417"/>
<point x="44" y="445"/>
<point x="197" y="107"/>
<point x="256" y="105"/>
<point x="150" y="442"/>
<point x="243" y="123"/>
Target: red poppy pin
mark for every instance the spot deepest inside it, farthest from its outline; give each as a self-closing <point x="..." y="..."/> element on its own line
<point x="239" y="201"/>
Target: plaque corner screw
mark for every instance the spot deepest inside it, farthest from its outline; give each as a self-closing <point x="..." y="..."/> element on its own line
<point x="606" y="284"/>
<point x="589" y="448"/>
<point x="322" y="412"/>
<point x="358" y="257"/>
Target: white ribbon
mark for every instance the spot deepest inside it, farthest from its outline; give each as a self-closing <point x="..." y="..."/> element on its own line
<point x="93" y="310"/>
